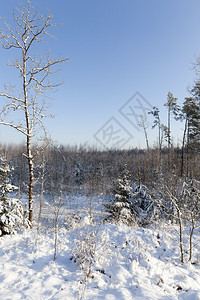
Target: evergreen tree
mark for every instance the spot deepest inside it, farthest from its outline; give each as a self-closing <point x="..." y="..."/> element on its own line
<point x="4" y="170"/>
<point x="121" y="208"/>
<point x="11" y="210"/>
<point x="192" y="114"/>
<point x="173" y="108"/>
<point x="162" y="130"/>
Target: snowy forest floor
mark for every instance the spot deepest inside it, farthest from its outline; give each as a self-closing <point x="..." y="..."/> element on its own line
<point x="117" y="263"/>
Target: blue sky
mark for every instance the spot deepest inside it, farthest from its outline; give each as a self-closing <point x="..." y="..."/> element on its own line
<point x="116" y="48"/>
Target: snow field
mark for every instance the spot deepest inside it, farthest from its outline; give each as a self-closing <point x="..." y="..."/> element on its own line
<point x="126" y="263"/>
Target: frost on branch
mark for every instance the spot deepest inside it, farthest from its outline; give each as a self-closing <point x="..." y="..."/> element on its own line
<point x="11" y="210"/>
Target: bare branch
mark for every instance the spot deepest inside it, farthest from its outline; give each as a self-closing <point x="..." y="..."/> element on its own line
<point x="7" y="44"/>
<point x="11" y="97"/>
<point x="18" y="128"/>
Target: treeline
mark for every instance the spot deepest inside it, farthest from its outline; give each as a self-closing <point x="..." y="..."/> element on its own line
<point x="77" y="170"/>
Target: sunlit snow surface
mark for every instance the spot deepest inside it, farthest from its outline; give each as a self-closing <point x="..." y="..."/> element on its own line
<point x="136" y="263"/>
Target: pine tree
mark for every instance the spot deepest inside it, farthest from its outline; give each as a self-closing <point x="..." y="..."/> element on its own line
<point x="191" y="134"/>
<point x="161" y="130"/>
<point x="173" y="108"/>
<point x="121" y="208"/>
<point x="192" y="112"/>
<point x="11" y="210"/>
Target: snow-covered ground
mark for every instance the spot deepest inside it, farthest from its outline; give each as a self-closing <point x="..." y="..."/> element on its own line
<point x="121" y="263"/>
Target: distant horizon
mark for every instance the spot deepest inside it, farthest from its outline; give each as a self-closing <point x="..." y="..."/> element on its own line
<point x="91" y="147"/>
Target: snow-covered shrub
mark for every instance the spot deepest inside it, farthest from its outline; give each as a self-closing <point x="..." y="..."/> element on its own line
<point x="144" y="204"/>
<point x="85" y="247"/>
<point x="187" y="194"/>
<point x="11" y="216"/>
<point x="72" y="220"/>
<point x="133" y="203"/>
<point x="84" y="254"/>
<point x="189" y="204"/>
<point x="11" y="210"/>
<point x="190" y="196"/>
<point x="180" y="204"/>
<point x="121" y="209"/>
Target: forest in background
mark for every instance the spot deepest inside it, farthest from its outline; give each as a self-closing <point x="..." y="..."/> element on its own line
<point x="82" y="170"/>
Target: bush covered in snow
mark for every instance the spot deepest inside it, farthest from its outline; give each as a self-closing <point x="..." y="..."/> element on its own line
<point x="11" y="216"/>
<point x="133" y="203"/>
<point x="121" y="208"/>
<point x="144" y="204"/>
<point x="11" y="210"/>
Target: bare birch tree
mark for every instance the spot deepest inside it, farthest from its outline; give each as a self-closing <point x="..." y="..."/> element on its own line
<point x="24" y="36"/>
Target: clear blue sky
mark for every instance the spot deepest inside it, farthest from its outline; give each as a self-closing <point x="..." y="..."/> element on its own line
<point x="116" y="48"/>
